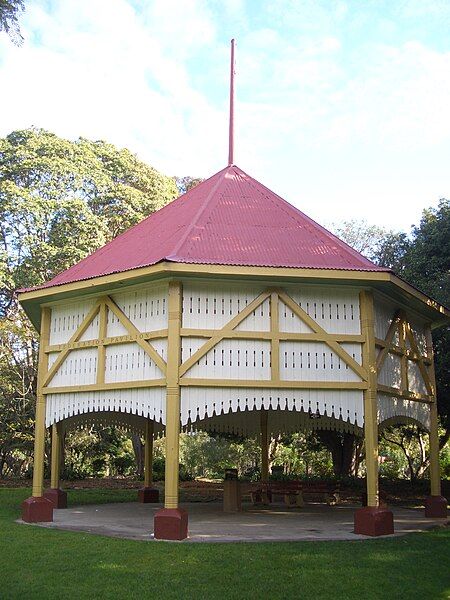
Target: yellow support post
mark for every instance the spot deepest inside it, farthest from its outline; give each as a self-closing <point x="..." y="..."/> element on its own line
<point x="371" y="520"/>
<point x="171" y="522"/>
<point x="435" y="504"/>
<point x="56" y="457"/>
<point x="370" y="398"/>
<point x="148" y="493"/>
<point x="173" y="396"/>
<point x="57" y="496"/>
<point x="37" y="508"/>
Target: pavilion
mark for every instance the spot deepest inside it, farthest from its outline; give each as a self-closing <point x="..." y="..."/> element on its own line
<point x="231" y="310"/>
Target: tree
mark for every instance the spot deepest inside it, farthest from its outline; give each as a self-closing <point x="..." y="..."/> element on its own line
<point x="345" y="449"/>
<point x="427" y="267"/>
<point x="384" y="247"/>
<point x="9" y="19"/>
<point x="423" y="259"/>
<point x="412" y="442"/>
<point x="186" y="183"/>
<point x="59" y="201"/>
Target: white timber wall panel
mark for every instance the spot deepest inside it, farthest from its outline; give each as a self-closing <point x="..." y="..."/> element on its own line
<point x="335" y="310"/>
<point x="313" y="361"/>
<point x="395" y="408"/>
<point x="67" y="318"/>
<point x="211" y="306"/>
<point x="390" y="373"/>
<point x="51" y="358"/>
<point x="114" y="327"/>
<point x="198" y="403"/>
<point x="355" y="351"/>
<point x="289" y="322"/>
<point x="234" y="359"/>
<point x="129" y="362"/>
<point x="416" y="383"/>
<point x="190" y="345"/>
<point x="146" y="308"/>
<point x="161" y="347"/>
<point x="384" y="312"/>
<point x="258" y="320"/>
<point x="147" y="402"/>
<point x="418" y="331"/>
<point x="79" y="368"/>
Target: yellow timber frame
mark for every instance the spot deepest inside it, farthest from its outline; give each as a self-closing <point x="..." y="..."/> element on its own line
<point x="228" y="331"/>
<point x="175" y="373"/>
<point x="401" y="324"/>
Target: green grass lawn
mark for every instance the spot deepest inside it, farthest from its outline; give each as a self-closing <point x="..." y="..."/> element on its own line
<point x="42" y="563"/>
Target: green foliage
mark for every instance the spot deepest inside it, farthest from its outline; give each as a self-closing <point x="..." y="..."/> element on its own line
<point x="59" y="201"/>
<point x="203" y="455"/>
<point x="427" y="266"/>
<point x="302" y="455"/>
<point x="404" y="449"/>
<point x="186" y="183"/>
<point x="9" y="19"/>
<point x="94" y="452"/>
<point x="383" y="246"/>
<point x="427" y="260"/>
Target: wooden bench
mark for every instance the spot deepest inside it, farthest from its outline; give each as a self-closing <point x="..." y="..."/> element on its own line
<point x="330" y="491"/>
<point x="292" y="492"/>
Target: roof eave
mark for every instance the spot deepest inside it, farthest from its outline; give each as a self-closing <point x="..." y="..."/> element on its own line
<point x="385" y="281"/>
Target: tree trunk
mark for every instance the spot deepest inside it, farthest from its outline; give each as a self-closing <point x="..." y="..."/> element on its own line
<point x="273" y="445"/>
<point x="343" y="451"/>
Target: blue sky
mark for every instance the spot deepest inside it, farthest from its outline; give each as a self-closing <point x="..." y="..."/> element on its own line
<point x="342" y="106"/>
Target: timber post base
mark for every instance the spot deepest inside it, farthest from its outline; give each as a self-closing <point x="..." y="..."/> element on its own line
<point x="57" y="497"/>
<point x="148" y="494"/>
<point x="436" y="507"/>
<point x="171" y="524"/>
<point x="374" y="521"/>
<point x="37" y="510"/>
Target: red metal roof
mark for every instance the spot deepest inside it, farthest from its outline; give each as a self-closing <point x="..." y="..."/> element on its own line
<point x="229" y="219"/>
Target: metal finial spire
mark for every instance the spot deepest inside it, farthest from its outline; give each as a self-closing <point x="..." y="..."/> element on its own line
<point x="231" y="130"/>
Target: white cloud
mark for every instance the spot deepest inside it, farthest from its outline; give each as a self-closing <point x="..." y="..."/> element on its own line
<point x="315" y="119"/>
<point x="99" y="71"/>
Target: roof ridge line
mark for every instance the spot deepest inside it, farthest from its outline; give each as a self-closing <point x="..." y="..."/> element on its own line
<point x="198" y="214"/>
<point x="167" y="207"/>
<point x="325" y="231"/>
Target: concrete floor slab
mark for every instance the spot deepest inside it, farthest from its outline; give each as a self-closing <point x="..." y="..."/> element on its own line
<point x="208" y="522"/>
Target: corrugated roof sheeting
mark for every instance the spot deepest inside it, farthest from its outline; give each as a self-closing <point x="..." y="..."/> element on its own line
<point x="229" y="219"/>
